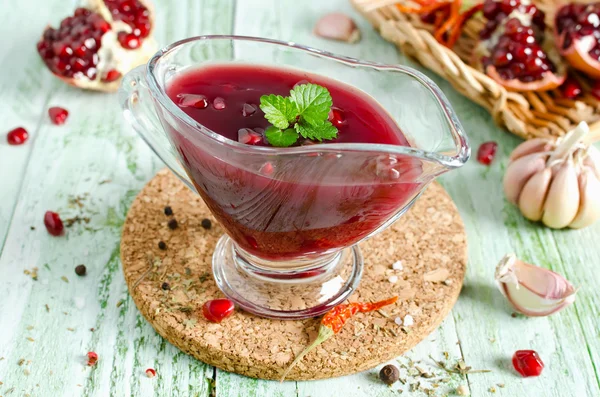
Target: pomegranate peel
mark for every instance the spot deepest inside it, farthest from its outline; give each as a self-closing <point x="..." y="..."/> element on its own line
<point x="577" y="28"/>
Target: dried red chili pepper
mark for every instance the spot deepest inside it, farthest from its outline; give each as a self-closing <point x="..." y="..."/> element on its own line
<point x="334" y="320"/>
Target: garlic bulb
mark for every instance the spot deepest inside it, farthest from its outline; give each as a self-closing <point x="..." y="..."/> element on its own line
<point x="532" y="290"/>
<point x="557" y="183"/>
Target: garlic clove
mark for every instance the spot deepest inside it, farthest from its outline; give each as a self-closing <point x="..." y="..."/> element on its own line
<point x="562" y="201"/>
<point x="533" y="195"/>
<point x="531" y="146"/>
<point x="337" y="26"/>
<point x="589" y="205"/>
<point x="593" y="160"/>
<point x="532" y="290"/>
<point x="519" y="172"/>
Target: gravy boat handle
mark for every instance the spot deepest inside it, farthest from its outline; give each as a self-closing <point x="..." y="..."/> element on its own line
<point x="138" y="108"/>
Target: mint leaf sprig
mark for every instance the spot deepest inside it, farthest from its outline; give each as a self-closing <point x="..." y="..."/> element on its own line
<point x="304" y="113"/>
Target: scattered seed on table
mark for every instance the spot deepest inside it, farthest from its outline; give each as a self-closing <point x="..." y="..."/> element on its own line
<point x="173" y="224"/>
<point x="64" y="278"/>
<point x="80" y="270"/>
<point x="206" y="223"/>
<point x="168" y="211"/>
<point x="162" y="245"/>
<point x="150" y="373"/>
<point x="165" y="286"/>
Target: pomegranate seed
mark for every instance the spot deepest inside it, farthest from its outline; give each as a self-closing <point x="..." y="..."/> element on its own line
<point x="336" y="116"/>
<point x="217" y="309"/>
<point x="92" y="359"/>
<point x="58" y="115"/>
<point x="150" y="373"/>
<point x="266" y="169"/>
<point x="219" y="103"/>
<point x="18" y="136"/>
<point x="192" y="100"/>
<point x="249" y="136"/>
<point x="571" y="88"/>
<point x="527" y="363"/>
<point x="112" y="75"/>
<point x="248" y="109"/>
<point x="487" y="152"/>
<point x="53" y="223"/>
<point x="129" y="40"/>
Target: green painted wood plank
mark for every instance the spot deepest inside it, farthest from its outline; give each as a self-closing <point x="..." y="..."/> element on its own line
<point x="97" y="157"/>
<point x="25" y="92"/>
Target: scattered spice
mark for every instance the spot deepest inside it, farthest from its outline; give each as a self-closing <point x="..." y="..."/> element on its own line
<point x="492" y="389"/>
<point x="29" y="327"/>
<point x="397" y="265"/>
<point x="500" y="385"/>
<point x="47" y="308"/>
<point x="459" y="368"/>
<point x="92" y="358"/>
<point x="64" y="278"/>
<point x="393" y="279"/>
<point x="334" y="320"/>
<point x="150" y="373"/>
<point x="462" y="390"/>
<point x="168" y="211"/>
<point x="408" y="321"/>
<point x="398" y="321"/>
<point x="26" y="372"/>
<point x="206" y="223"/>
<point x="165" y="286"/>
<point x="21" y="362"/>
<point x="162" y="245"/>
<point x="30" y="339"/>
<point x="33" y="273"/>
<point x="32" y="227"/>
<point x="173" y="224"/>
<point x="80" y="270"/>
<point x="71" y="329"/>
<point x="389" y="374"/>
<point x="119" y="303"/>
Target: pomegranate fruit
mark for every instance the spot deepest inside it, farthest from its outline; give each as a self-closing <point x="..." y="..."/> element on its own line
<point x="96" y="46"/>
<point x="512" y="51"/>
<point x="577" y="29"/>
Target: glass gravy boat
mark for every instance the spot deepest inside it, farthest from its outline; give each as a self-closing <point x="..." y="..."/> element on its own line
<point x="293" y="216"/>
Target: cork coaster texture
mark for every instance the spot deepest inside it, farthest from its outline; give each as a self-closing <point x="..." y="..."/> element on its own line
<point x="430" y="241"/>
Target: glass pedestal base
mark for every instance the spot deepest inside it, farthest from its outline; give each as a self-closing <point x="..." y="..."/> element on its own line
<point x="271" y="290"/>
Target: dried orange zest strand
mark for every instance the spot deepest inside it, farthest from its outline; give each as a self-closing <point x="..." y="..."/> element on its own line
<point x="454" y="14"/>
<point x="334" y="320"/>
<point x="458" y="27"/>
<point x="425" y="7"/>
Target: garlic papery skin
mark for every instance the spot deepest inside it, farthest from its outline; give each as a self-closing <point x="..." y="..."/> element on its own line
<point x="532" y="290"/>
<point x="557" y="182"/>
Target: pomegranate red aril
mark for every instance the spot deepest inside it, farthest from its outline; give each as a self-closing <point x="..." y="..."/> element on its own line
<point x="577" y="30"/>
<point x="527" y="363"/>
<point x="73" y="50"/>
<point x="487" y="152"/>
<point x="249" y="136"/>
<point x="58" y="115"/>
<point x="336" y="116"/>
<point x="514" y="57"/>
<point x="53" y="223"/>
<point x="219" y="103"/>
<point x="571" y="88"/>
<point x="18" y="136"/>
<point x="595" y="91"/>
<point x="217" y="310"/>
<point x="92" y="359"/>
<point x="192" y="100"/>
<point x="248" y="109"/>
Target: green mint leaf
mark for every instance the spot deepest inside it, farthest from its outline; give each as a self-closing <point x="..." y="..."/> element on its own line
<point x="313" y="102"/>
<point x="280" y="111"/>
<point x="281" y="138"/>
<point x="325" y="130"/>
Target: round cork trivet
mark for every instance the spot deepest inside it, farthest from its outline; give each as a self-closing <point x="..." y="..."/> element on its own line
<point x="429" y="241"/>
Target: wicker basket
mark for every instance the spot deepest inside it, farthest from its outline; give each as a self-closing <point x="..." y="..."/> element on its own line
<point x="527" y="114"/>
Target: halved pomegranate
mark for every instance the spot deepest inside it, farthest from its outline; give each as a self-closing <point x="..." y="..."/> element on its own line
<point x="510" y="51"/>
<point x="577" y="29"/>
<point x="96" y="46"/>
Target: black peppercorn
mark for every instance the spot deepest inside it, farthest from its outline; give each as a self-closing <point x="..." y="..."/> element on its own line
<point x="80" y="270"/>
<point x="168" y="211"/>
<point x="173" y="224"/>
<point x="206" y="223"/>
<point x="165" y="286"/>
<point x="162" y="245"/>
<point x="389" y="374"/>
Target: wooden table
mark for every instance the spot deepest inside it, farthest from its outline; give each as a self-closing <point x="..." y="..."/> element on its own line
<point x="98" y="162"/>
